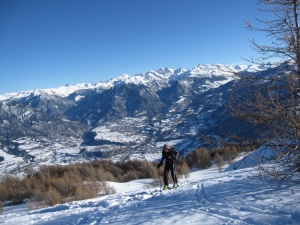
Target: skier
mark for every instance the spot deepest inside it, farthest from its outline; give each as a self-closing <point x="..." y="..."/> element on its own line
<point x="169" y="155"/>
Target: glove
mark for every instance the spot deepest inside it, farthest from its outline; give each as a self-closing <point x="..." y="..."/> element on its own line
<point x="159" y="165"/>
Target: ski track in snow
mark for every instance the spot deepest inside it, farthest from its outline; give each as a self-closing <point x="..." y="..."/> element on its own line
<point x="207" y="197"/>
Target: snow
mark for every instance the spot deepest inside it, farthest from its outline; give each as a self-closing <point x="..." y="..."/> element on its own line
<point x="11" y="162"/>
<point x="121" y="131"/>
<point x="104" y="133"/>
<point x="182" y="99"/>
<point x="206" y="197"/>
<point x="207" y="70"/>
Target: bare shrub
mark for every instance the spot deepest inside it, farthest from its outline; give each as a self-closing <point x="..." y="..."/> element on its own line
<point x="112" y="168"/>
<point x="29" y="204"/>
<point x="103" y="175"/>
<point x="182" y="168"/>
<point x="131" y="175"/>
<point x="1" y="207"/>
<point x="86" y="190"/>
<point x="191" y="159"/>
<point x="37" y="200"/>
<point x="149" y="169"/>
<point x="219" y="161"/>
<point x="199" y="157"/>
<point x="3" y="192"/>
<point x="230" y="153"/>
<point x="15" y="190"/>
<point x="203" y="158"/>
<point x="105" y="189"/>
<point x="53" y="197"/>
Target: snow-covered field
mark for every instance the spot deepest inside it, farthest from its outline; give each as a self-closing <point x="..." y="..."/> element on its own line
<point x="239" y="196"/>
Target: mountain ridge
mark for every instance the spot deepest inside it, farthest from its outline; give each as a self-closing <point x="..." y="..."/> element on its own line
<point x="203" y="69"/>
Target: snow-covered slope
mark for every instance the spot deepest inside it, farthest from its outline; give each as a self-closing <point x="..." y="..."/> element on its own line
<point x="207" y="197"/>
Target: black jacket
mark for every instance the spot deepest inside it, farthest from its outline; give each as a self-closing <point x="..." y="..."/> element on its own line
<point x="169" y="155"/>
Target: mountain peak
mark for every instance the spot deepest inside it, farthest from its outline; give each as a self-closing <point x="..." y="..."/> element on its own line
<point x="143" y="78"/>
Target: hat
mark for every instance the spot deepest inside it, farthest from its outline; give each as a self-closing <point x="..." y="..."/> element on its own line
<point x="166" y="146"/>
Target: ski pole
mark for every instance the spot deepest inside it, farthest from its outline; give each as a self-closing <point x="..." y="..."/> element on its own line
<point x="174" y="173"/>
<point x="159" y="179"/>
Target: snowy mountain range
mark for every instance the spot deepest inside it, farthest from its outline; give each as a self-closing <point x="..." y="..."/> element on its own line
<point x="126" y="117"/>
<point x="164" y="74"/>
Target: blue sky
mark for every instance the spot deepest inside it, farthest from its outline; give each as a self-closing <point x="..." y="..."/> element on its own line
<point x="49" y="43"/>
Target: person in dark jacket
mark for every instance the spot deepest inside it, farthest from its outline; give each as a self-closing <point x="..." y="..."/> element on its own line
<point x="169" y="155"/>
